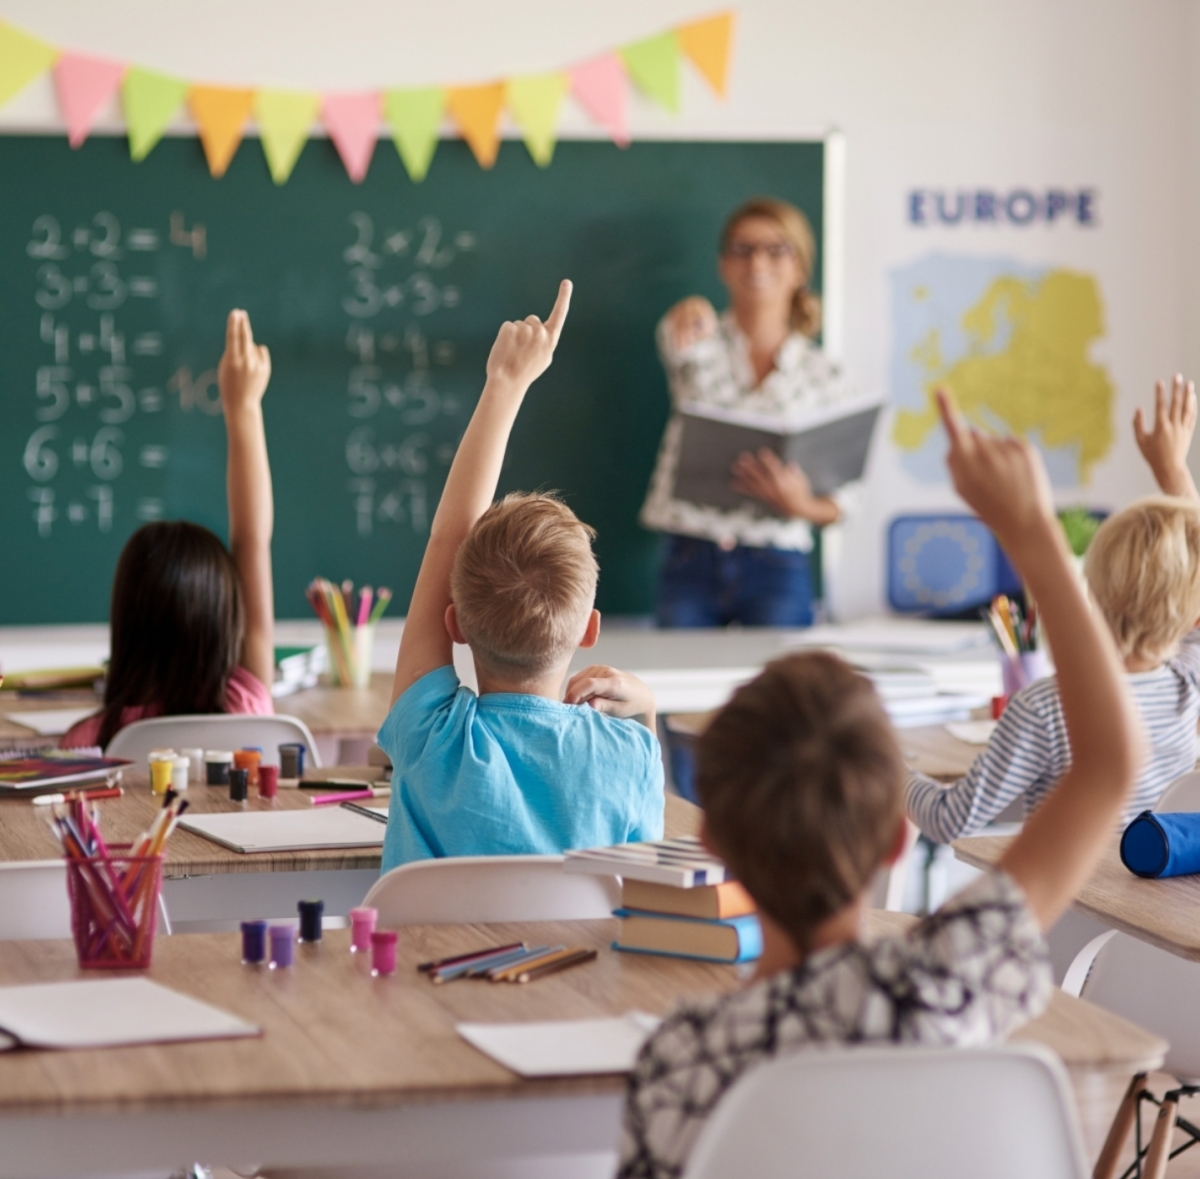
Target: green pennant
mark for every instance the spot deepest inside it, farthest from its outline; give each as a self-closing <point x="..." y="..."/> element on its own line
<point x="22" y="58"/>
<point x="653" y="64"/>
<point x="284" y="118"/>
<point x="415" y="117"/>
<point x="150" y="101"/>
<point x="534" y="103"/>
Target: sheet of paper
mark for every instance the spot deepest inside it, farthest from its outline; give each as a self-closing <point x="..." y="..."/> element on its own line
<point x="49" y="722"/>
<point x="902" y="636"/>
<point x="973" y="732"/>
<point x="269" y="831"/>
<point x="564" y="1047"/>
<point x="110" y="1013"/>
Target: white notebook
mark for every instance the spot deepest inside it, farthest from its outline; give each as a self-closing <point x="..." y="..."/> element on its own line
<point x="109" y="1013"/>
<point x="563" y="1047"/>
<point x="277" y="831"/>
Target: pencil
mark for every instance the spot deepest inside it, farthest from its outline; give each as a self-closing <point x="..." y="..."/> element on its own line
<point x="575" y="958"/>
<point x="459" y="959"/>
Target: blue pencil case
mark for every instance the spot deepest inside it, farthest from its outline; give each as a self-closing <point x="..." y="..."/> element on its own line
<point x="1162" y="845"/>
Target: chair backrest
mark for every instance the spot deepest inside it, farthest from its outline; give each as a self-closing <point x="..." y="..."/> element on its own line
<point x="907" y="1113"/>
<point x="490" y="888"/>
<point x="33" y="900"/>
<point x="213" y="731"/>
<point x="1182" y="795"/>
<point x="1153" y="988"/>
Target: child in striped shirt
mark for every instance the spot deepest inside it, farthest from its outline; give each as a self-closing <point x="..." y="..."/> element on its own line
<point x="1143" y="570"/>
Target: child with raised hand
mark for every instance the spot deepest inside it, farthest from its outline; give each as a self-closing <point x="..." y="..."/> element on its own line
<point x="800" y="776"/>
<point x="515" y="769"/>
<point x="193" y="624"/>
<point x="1143" y="570"/>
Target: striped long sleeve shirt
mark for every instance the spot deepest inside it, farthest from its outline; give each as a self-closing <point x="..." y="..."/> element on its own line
<point x="1029" y="751"/>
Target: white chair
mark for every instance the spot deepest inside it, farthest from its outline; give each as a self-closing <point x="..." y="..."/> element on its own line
<point x="907" y="1113"/>
<point x="1182" y="795"/>
<point x="213" y="731"/>
<point x="469" y="889"/>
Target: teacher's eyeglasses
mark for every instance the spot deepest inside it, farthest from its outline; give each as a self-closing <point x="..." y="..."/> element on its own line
<point x="744" y="251"/>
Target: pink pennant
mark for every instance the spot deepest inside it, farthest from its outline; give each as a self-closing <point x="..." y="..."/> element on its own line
<point x="599" y="84"/>
<point x="352" y="121"/>
<point x="84" y="85"/>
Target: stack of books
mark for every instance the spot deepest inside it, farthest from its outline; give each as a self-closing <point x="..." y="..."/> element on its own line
<point x="677" y="900"/>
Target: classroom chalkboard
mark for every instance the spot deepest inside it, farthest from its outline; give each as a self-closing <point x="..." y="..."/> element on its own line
<point x="379" y="302"/>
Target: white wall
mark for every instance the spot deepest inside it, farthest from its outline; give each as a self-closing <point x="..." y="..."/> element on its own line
<point x="928" y="92"/>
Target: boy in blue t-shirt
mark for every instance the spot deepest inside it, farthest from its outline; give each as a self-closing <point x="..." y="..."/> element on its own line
<point x="521" y="768"/>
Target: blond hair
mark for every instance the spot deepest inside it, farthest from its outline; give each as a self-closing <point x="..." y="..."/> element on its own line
<point x="523" y="584"/>
<point x="806" y="307"/>
<point x="800" y="779"/>
<point x="1143" y="568"/>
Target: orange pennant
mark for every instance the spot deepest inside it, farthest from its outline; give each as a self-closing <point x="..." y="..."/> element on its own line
<point x="707" y="43"/>
<point x="221" y="115"/>
<point x="476" y="110"/>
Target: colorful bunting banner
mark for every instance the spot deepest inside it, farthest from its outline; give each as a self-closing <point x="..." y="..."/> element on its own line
<point x="220" y="113"/>
<point x="285" y="119"/>
<point x="22" y="58"/>
<point x="149" y="101"/>
<point x="84" y="85"/>
<point x="415" y="117"/>
<point x="352" y="121"/>
<point x="476" y="110"/>
<point x="533" y="103"/>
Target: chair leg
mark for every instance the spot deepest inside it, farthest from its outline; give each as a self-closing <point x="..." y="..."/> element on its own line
<point x="1118" y="1132"/>
<point x="1159" y="1150"/>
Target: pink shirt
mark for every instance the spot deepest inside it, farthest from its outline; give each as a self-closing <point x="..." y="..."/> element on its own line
<point x="245" y="693"/>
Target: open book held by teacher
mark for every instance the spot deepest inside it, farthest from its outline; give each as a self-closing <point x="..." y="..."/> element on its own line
<point x="829" y="444"/>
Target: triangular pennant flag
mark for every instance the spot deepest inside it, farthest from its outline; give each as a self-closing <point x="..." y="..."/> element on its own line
<point x="415" y="117"/>
<point x="534" y="103"/>
<point x="352" y="121"/>
<point x="599" y="84"/>
<point x="707" y="44"/>
<point x="284" y="118"/>
<point x="149" y="101"/>
<point x="476" y="110"/>
<point x="653" y="64"/>
<point x="22" y="58"/>
<point x="84" y="85"/>
<point x="220" y="114"/>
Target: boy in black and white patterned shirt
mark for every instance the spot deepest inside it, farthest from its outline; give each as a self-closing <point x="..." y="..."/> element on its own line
<point x="801" y="781"/>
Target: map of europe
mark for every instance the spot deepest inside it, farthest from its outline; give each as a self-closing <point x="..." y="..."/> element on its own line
<point x="1013" y="342"/>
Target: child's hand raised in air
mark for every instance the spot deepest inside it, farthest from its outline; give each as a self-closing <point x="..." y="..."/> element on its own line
<point x="1165" y="447"/>
<point x="245" y="367"/>
<point x="1003" y="479"/>
<point x="524" y="348"/>
<point x="613" y="692"/>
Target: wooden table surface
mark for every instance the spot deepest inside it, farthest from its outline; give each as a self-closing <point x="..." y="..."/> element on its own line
<point x="25" y="832"/>
<point x="1165" y="913"/>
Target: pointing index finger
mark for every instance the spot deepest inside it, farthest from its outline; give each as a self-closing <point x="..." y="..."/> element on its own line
<point x="558" y="315"/>
<point x="951" y="419"/>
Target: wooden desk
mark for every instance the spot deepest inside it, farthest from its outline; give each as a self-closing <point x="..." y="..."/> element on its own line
<point x="1165" y="913"/>
<point x="355" y="1071"/>
<point x="14" y="735"/>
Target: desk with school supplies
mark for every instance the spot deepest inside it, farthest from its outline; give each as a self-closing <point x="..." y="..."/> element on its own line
<point x="354" y="1071"/>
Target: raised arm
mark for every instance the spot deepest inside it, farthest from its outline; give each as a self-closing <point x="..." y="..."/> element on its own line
<point x="1165" y="447"/>
<point x="243" y="374"/>
<point x="522" y="352"/>
<point x="1004" y="481"/>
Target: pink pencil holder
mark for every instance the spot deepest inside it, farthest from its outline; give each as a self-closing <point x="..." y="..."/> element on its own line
<point x="114" y="909"/>
<point x="1020" y="671"/>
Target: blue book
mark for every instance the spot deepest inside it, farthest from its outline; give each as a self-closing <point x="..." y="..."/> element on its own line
<point x="733" y="939"/>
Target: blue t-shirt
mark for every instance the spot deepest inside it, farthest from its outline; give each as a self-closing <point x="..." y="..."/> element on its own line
<point x="511" y="774"/>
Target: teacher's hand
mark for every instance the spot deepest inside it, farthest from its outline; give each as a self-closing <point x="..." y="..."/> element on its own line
<point x="782" y="486"/>
<point x="690" y="321"/>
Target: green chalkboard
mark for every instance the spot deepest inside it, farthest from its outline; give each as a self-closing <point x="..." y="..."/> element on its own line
<point x="379" y="302"/>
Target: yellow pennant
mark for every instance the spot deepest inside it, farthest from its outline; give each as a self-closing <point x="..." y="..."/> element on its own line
<point x="220" y="113"/>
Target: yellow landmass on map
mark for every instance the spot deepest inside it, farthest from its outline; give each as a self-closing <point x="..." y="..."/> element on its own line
<point x="1040" y="382"/>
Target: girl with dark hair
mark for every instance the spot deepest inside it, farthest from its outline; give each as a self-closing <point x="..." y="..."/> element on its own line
<point x="193" y="623"/>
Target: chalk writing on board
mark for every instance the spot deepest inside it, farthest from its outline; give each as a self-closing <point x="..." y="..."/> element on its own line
<point x="396" y="278"/>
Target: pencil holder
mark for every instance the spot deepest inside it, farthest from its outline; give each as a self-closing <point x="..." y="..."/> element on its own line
<point x="1019" y="671"/>
<point x="114" y="908"/>
<point x="350" y="655"/>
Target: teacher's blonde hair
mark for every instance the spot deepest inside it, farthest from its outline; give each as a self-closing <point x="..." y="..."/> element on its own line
<point x="806" y="307"/>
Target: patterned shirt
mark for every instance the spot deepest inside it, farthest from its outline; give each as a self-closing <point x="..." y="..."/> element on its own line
<point x="716" y="373"/>
<point x="967" y="976"/>
<point x="1029" y="751"/>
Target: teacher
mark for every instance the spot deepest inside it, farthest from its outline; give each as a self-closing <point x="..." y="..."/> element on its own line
<point x="749" y="565"/>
